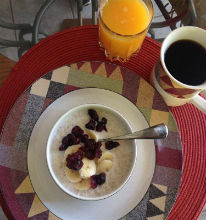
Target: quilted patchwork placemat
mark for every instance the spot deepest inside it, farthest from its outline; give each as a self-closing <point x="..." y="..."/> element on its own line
<point x="15" y="183"/>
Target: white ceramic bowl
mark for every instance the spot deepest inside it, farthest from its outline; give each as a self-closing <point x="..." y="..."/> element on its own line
<point x="55" y="137"/>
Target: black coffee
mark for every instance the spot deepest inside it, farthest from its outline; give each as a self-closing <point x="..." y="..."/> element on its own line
<point x="186" y="61"/>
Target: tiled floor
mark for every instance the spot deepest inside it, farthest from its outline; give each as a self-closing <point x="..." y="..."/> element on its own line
<point x="24" y="11"/>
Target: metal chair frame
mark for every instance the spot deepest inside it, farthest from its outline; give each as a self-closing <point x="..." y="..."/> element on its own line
<point x="35" y="31"/>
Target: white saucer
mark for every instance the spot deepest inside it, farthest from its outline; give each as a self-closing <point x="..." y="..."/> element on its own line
<point x="67" y="207"/>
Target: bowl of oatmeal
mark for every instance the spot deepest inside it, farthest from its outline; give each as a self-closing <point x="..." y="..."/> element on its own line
<point x="82" y="166"/>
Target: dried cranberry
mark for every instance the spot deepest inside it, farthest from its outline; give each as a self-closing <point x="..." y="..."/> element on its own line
<point x="70" y="160"/>
<point x="82" y="149"/>
<point x="77" y="165"/>
<point x="77" y="131"/>
<point x="98" y="180"/>
<point x="78" y="155"/>
<point x="105" y="128"/>
<point x="100" y="127"/>
<point x="90" y="154"/>
<point x="104" y="120"/>
<point x="98" y="153"/>
<point x="93" y="114"/>
<point x="71" y="139"/>
<point x="63" y="147"/>
<point x="77" y="140"/>
<point x="68" y="140"/>
<point x="111" y="144"/>
<point x="93" y="182"/>
<point x="98" y="144"/>
<point x="74" y="161"/>
<point x="84" y="137"/>
<point x="90" y="125"/>
<point x="90" y="143"/>
<point x="91" y="149"/>
<point x="101" y="178"/>
<point x="65" y="140"/>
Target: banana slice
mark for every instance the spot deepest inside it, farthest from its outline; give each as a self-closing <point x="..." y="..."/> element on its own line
<point x="106" y="155"/>
<point x="70" y="150"/>
<point x="83" y="185"/>
<point x="72" y="175"/>
<point x="88" y="169"/>
<point x="104" y="166"/>
<point x="92" y="134"/>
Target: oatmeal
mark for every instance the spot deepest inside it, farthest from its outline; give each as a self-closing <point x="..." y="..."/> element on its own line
<point x="91" y="173"/>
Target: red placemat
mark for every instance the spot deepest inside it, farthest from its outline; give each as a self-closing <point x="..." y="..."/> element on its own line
<point x="25" y="113"/>
<point x="79" y="44"/>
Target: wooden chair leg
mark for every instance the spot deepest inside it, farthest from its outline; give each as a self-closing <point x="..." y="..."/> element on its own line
<point x="6" y="66"/>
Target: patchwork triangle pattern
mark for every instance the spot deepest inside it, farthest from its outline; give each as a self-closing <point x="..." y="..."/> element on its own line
<point x="173" y="88"/>
<point x="116" y="74"/>
<point x="157" y="217"/>
<point x="25" y="187"/>
<point x="103" y="69"/>
<point x="166" y="80"/>
<point x="53" y="217"/>
<point x="40" y="216"/>
<point x="86" y="67"/>
<point x="153" y="211"/>
<point x="154" y="192"/>
<point x="95" y="66"/>
<point x="17" y="177"/>
<point x="27" y="197"/>
<point x="140" y="93"/>
<point x="37" y="207"/>
<point x="74" y="66"/>
<point x="109" y="67"/>
<point x="25" y="201"/>
<point x="163" y="189"/>
<point x="175" y="85"/>
<point x="157" y="202"/>
<point x="80" y="64"/>
<point x="177" y="91"/>
<point x="164" y="84"/>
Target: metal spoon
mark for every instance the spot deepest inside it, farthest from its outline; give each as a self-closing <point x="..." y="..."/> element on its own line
<point x="159" y="131"/>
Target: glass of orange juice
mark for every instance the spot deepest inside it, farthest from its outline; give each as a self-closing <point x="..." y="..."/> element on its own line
<point x="123" y="25"/>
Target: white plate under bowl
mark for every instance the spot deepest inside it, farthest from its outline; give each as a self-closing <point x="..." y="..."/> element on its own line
<point x="67" y="207"/>
<point x="52" y="148"/>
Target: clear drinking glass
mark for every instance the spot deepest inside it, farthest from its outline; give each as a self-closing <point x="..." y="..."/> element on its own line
<point x="123" y="25"/>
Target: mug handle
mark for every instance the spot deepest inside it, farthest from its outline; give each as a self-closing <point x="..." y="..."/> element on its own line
<point x="199" y="102"/>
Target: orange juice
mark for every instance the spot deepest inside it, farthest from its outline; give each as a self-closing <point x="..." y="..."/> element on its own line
<point x="123" y="25"/>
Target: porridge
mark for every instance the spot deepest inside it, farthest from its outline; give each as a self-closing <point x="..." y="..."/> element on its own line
<point x="85" y="166"/>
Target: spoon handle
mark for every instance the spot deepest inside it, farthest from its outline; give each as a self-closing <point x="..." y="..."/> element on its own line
<point x="155" y="132"/>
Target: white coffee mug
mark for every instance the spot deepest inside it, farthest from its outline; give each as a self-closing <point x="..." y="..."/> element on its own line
<point x="181" y="93"/>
